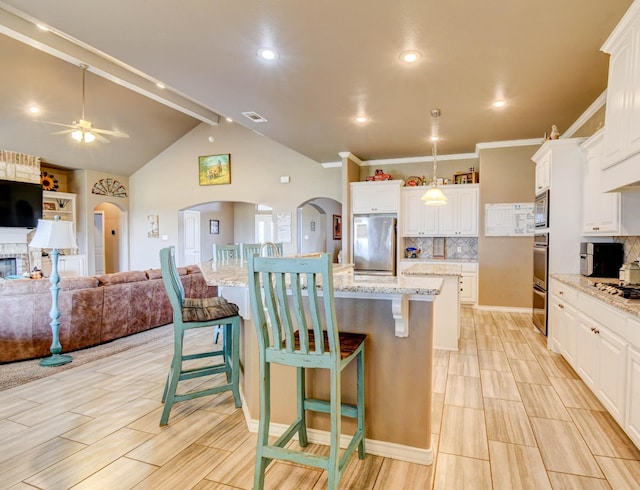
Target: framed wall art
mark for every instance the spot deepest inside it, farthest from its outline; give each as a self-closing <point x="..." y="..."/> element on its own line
<point x="214" y="227"/>
<point x="214" y="169"/>
<point x="337" y="227"/>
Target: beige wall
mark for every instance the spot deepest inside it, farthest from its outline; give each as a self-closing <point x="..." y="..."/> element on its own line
<point x="169" y="183"/>
<point x="505" y="263"/>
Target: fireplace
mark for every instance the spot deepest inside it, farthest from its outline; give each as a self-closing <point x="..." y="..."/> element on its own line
<point x="8" y="267"/>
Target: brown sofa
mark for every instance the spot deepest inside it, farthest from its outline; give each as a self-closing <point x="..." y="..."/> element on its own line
<point x="93" y="309"/>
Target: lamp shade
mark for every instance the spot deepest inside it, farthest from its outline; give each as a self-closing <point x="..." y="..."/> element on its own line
<point x="434" y="197"/>
<point x="54" y="234"/>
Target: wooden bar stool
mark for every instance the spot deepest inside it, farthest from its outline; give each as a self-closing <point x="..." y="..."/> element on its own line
<point x="288" y="336"/>
<point x="189" y="313"/>
<point x="225" y="253"/>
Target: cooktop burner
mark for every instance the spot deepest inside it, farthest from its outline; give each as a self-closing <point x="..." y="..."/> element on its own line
<point x="627" y="292"/>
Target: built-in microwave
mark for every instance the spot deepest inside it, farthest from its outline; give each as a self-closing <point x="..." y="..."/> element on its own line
<point x="541" y="210"/>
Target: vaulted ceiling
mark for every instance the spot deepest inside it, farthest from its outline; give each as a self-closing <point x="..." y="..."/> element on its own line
<point x="335" y="61"/>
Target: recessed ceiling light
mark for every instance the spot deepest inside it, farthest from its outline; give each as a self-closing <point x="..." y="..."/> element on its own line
<point x="267" y="54"/>
<point x="34" y="110"/>
<point x="499" y="103"/>
<point x="410" y="56"/>
<point x="434" y="138"/>
<point x="211" y="139"/>
<point x="361" y="119"/>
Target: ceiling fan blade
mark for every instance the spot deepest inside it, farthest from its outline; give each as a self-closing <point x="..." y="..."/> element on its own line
<point x="117" y="134"/>
<point x="100" y="138"/>
<point x="73" y="126"/>
<point x="64" y="131"/>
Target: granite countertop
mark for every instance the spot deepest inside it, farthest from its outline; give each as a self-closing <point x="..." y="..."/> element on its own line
<point x="433" y="269"/>
<point x="586" y="285"/>
<point x="234" y="274"/>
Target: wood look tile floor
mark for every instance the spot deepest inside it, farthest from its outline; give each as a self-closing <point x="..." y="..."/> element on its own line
<point x="507" y="414"/>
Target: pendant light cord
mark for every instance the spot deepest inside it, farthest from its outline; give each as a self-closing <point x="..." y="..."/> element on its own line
<point x="434" y="152"/>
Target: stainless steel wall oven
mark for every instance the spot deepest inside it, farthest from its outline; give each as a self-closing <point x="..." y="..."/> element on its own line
<point x="540" y="280"/>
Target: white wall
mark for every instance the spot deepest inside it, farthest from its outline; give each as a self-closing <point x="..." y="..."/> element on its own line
<point x="169" y="183"/>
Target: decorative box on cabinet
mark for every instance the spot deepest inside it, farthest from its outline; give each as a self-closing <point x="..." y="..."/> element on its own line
<point x="375" y="197"/>
<point x="621" y="162"/>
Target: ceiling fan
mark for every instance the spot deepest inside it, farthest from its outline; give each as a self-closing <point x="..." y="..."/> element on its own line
<point x="83" y="131"/>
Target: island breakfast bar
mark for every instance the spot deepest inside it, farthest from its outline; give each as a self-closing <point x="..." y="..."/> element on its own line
<point x="396" y="313"/>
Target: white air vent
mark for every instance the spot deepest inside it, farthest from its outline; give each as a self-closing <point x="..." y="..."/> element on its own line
<point x="254" y="116"/>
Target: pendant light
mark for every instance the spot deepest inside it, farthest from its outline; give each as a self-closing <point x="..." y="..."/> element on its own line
<point x="434" y="196"/>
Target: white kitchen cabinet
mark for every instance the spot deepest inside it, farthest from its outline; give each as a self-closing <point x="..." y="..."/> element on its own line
<point x="632" y="419"/>
<point x="600" y="210"/>
<point x="587" y="351"/>
<point x="622" y="132"/>
<point x="612" y="368"/>
<point x="417" y="219"/>
<point x="605" y="213"/>
<point x="565" y="160"/>
<point x="469" y="283"/>
<point x="459" y="217"/>
<point x="563" y="321"/>
<point x="543" y="174"/>
<point x="375" y="197"/>
<point x="68" y="265"/>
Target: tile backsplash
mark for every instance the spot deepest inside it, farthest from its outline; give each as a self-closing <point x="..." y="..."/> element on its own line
<point x="631" y="247"/>
<point x="468" y="247"/>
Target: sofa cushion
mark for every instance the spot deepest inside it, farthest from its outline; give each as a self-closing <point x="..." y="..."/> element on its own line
<point x="121" y="278"/>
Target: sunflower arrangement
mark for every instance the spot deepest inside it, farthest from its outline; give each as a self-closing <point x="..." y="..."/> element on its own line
<point x="48" y="181"/>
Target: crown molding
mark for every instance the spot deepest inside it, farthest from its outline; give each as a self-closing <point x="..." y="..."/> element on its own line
<point x="586" y="115"/>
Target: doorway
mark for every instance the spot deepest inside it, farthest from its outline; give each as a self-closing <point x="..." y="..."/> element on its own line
<point x="315" y="226"/>
<point x="98" y="241"/>
<point x="109" y="239"/>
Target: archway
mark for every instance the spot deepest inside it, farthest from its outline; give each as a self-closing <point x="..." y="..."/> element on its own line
<point x="316" y="231"/>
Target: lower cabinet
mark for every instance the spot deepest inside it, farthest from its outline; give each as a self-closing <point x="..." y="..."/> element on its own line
<point x="603" y="347"/>
<point x="469" y="287"/>
<point x="632" y="420"/>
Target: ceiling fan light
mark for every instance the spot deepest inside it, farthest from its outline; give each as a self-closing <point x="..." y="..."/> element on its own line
<point x="434" y="197"/>
<point x="83" y="136"/>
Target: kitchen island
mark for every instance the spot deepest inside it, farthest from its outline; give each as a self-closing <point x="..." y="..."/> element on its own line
<point x="398" y="368"/>
<point x="446" y="314"/>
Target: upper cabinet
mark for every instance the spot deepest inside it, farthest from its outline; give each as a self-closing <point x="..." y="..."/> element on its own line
<point x="543" y="173"/>
<point x="621" y="162"/>
<point x="375" y="197"/>
<point x="417" y="219"/>
<point x="600" y="210"/>
<point x="459" y="217"/>
<point x="605" y="213"/>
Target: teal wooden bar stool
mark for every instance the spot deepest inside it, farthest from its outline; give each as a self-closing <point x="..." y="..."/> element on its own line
<point x="189" y="313"/>
<point x="225" y="253"/>
<point x="287" y="335"/>
<point x="267" y="249"/>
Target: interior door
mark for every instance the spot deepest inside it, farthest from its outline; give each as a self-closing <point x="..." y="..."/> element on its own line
<point x="98" y="240"/>
<point x="191" y="237"/>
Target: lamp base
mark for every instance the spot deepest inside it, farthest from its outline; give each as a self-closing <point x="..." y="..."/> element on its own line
<point x="55" y="360"/>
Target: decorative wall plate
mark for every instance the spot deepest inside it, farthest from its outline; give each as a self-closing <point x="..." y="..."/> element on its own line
<point x="109" y="187"/>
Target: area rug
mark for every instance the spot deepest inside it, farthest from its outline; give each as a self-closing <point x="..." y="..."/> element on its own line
<point x="17" y="373"/>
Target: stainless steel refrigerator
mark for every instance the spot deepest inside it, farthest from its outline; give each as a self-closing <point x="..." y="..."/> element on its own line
<point x="374" y="244"/>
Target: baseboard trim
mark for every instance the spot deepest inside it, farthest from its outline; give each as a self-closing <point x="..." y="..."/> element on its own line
<point x="378" y="448"/>
<point x="507" y="309"/>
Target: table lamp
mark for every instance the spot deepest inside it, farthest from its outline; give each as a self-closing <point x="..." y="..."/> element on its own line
<point x="55" y="235"/>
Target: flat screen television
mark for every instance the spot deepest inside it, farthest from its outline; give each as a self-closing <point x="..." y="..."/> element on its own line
<point x="20" y="204"/>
